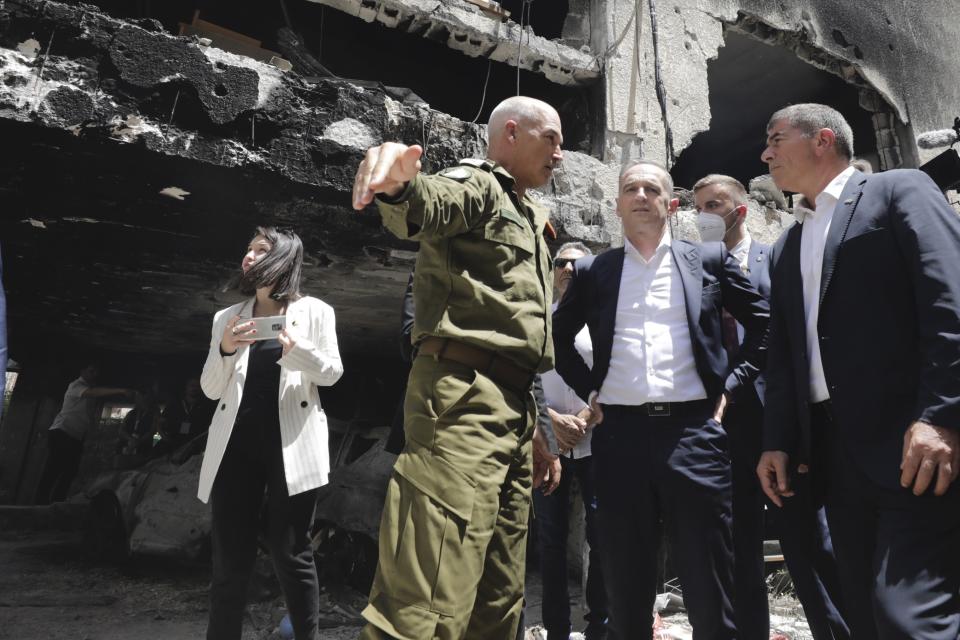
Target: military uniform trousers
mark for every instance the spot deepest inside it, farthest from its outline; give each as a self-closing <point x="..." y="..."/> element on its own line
<point x="454" y="525"/>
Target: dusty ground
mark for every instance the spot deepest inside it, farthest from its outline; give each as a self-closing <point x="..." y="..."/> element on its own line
<point x="51" y="588"/>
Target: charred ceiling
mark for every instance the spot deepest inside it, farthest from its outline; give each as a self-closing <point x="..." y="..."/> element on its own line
<point x="138" y="164"/>
<point x="143" y="161"/>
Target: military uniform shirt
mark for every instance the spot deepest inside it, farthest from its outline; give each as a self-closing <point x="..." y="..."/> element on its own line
<point x="483" y="270"/>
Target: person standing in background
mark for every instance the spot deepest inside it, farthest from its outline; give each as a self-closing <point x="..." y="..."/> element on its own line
<point x="69" y="429"/>
<point x="567" y="414"/>
<point x="804" y="538"/>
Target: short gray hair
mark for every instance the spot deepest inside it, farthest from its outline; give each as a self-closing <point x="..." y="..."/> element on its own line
<point x="575" y="245"/>
<point x="649" y="163"/>
<point x="810" y="117"/>
<point x="519" y="108"/>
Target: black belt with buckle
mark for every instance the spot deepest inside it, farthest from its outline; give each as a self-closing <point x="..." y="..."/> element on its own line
<point x="662" y="409"/>
<point x="657" y="409"/>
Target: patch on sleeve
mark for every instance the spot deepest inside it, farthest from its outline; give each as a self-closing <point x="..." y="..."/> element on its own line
<point x="456" y="173"/>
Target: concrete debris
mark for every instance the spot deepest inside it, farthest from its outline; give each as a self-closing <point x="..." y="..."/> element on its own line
<point x="174" y="192"/>
<point x="29" y="48"/>
<point x="765" y="192"/>
<point x="350" y="132"/>
<point x="477" y="34"/>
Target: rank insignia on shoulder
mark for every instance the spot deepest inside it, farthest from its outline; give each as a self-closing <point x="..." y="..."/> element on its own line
<point x="456" y="173"/>
<point x="486" y="165"/>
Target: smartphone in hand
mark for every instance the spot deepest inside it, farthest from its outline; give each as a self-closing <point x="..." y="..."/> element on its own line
<point x="268" y="327"/>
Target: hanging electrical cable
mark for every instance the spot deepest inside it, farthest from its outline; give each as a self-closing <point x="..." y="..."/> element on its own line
<point x="525" y="10"/>
<point x="661" y="90"/>
<point x="483" y="98"/>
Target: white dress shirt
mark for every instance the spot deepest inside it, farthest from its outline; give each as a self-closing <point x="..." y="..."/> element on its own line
<point x="741" y="252"/>
<point x="813" y="238"/>
<point x="652" y="355"/>
<point x="562" y="398"/>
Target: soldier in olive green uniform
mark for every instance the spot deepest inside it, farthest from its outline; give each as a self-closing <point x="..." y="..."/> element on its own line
<point x="454" y="526"/>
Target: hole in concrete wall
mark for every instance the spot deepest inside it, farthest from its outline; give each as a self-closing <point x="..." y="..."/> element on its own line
<point x="545" y="17"/>
<point x="220" y="90"/>
<point x="839" y="38"/>
<point x="748" y="81"/>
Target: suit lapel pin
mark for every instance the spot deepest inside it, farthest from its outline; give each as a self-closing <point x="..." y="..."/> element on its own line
<point x="759" y="258"/>
<point x="848" y="201"/>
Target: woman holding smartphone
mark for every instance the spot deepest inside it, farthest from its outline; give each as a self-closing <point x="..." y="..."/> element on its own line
<point x="268" y="435"/>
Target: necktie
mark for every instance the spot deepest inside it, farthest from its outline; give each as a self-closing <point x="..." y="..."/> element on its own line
<point x="731" y="341"/>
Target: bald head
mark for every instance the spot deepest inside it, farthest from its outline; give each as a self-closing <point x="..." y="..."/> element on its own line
<point x="519" y="108"/>
<point x="525" y="137"/>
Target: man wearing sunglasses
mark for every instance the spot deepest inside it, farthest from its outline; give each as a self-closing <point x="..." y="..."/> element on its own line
<point x="568" y="416"/>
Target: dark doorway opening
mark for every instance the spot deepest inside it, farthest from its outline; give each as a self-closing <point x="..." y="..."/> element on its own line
<point x="748" y="81"/>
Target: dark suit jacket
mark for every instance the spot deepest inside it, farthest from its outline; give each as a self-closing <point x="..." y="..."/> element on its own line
<point x="889" y="323"/>
<point x="758" y="263"/>
<point x="711" y="280"/>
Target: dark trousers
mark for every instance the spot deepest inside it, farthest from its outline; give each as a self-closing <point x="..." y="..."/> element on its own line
<point x="675" y="469"/>
<point x="808" y="553"/>
<point x="253" y="463"/>
<point x="63" y="462"/>
<point x="552" y="513"/>
<point x="898" y="554"/>
<point x="743" y="423"/>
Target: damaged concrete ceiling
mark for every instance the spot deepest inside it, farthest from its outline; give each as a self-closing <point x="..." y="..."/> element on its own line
<point x="464" y="27"/>
<point x="138" y="163"/>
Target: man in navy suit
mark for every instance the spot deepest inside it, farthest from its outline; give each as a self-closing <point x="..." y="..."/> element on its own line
<point x="721" y="203"/>
<point x="657" y="391"/>
<point x="863" y="385"/>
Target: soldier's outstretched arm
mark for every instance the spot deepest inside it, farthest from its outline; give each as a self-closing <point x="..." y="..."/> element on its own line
<point x="416" y="206"/>
<point x="385" y="169"/>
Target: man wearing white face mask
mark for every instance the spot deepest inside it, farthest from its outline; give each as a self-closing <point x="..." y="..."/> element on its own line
<point x="721" y="203"/>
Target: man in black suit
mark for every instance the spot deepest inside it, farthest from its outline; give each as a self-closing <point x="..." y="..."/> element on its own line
<point x="863" y="387"/>
<point x="721" y="203"/>
<point x="658" y="390"/>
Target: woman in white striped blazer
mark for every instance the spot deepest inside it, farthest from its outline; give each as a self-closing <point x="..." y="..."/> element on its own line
<point x="268" y="436"/>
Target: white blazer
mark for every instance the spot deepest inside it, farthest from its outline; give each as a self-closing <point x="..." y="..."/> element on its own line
<point x="314" y="360"/>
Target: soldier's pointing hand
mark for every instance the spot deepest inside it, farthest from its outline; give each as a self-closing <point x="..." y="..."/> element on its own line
<point x="385" y="169"/>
